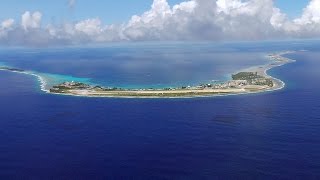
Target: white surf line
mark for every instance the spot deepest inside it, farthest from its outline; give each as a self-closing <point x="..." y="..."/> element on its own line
<point x="281" y="54"/>
<point x="41" y="80"/>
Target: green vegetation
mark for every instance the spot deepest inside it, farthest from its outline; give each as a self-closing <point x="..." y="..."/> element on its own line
<point x="263" y="82"/>
<point x="246" y="76"/>
<point x="64" y="87"/>
<point x="253" y="78"/>
<point x="72" y="85"/>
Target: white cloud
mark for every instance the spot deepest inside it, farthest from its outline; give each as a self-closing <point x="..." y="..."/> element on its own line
<point x="228" y="5"/>
<point x="222" y="20"/>
<point x="31" y="20"/>
<point x="6" y="24"/>
<point x="90" y="27"/>
<point x="190" y="20"/>
<point x="187" y="6"/>
<point x="311" y="14"/>
<point x="150" y="22"/>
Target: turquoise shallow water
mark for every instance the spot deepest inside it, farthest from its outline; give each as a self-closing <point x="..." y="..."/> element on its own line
<point x="3" y="64"/>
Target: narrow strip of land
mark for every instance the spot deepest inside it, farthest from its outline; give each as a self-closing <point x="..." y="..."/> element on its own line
<point x="252" y="80"/>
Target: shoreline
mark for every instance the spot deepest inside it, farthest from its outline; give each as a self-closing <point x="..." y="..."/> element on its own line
<point x="276" y="59"/>
<point x="40" y="79"/>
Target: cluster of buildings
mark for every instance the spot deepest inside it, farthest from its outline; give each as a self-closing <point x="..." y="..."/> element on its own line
<point x="278" y="57"/>
<point x="231" y="84"/>
<point x="68" y="86"/>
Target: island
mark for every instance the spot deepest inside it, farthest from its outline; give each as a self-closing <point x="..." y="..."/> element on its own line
<point x="252" y="80"/>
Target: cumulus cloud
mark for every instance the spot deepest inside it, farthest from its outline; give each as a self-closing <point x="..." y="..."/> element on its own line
<point x="193" y="20"/>
<point x="90" y="26"/>
<point x="189" y="20"/>
<point x="31" y="20"/>
<point x="227" y="5"/>
<point x="311" y="14"/>
<point x="6" y="24"/>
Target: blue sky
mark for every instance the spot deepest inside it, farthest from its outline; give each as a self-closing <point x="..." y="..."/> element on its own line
<point x="107" y="10"/>
<point x="293" y="8"/>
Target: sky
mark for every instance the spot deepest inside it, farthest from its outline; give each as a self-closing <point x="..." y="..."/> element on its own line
<point x="59" y="10"/>
<point x="38" y="22"/>
<point x="107" y="10"/>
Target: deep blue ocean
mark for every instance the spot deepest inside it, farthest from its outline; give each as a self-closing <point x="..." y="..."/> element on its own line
<point x="271" y="135"/>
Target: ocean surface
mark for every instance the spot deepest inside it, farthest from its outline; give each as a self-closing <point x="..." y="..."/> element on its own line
<point x="271" y="135"/>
